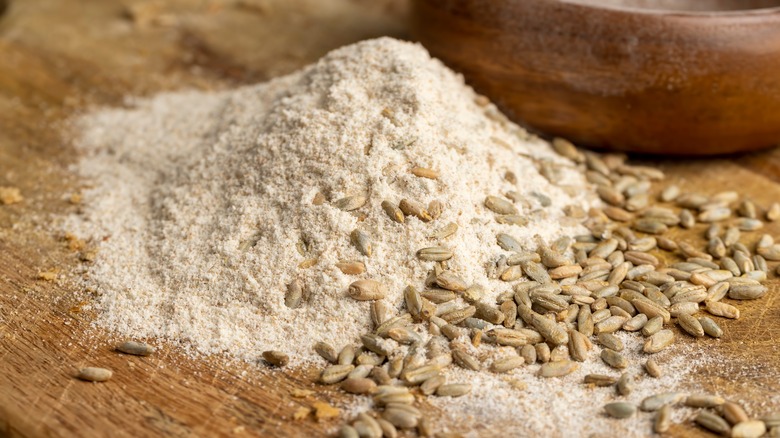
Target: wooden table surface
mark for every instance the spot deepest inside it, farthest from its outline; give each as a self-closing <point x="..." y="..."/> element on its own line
<point x="61" y="56"/>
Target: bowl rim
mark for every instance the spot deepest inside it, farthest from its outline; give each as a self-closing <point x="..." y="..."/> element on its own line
<point x="749" y="13"/>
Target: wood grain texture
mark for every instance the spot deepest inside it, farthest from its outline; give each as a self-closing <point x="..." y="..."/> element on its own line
<point x="60" y="56"/>
<point x="662" y="83"/>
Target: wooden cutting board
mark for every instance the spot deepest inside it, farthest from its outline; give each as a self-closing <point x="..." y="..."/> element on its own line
<point x="58" y="57"/>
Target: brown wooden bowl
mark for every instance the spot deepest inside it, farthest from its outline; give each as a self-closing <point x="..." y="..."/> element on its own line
<point x="683" y="77"/>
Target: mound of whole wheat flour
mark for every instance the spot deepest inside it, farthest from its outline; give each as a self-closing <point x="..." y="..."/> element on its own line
<point x="210" y="204"/>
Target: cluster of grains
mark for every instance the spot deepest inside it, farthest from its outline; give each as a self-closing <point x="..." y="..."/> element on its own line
<point x="567" y="296"/>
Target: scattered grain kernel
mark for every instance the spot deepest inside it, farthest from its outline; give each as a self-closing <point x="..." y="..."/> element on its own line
<point x="366" y="290"/>
<point x="658" y="341"/>
<point x="704" y="401"/>
<point x="393" y="212"/>
<point x="349" y="203"/>
<point x="663" y="419"/>
<point x="657" y="401"/>
<point x="500" y="205"/>
<point x="453" y="390"/>
<point x="599" y="380"/>
<point x="557" y="369"/>
<point x="424" y="172"/>
<point x="748" y="429"/>
<point x="620" y="409"/>
<point x="135" y="348"/>
<point x="362" y="242"/>
<point x="733" y="413"/>
<point x="713" y="423"/>
<point x="773" y="213"/>
<point x="94" y="374"/>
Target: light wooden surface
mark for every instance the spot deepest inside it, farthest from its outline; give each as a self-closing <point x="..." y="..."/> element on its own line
<point x="59" y="56"/>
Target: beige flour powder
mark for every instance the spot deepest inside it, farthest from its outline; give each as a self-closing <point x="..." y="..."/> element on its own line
<point x="202" y="198"/>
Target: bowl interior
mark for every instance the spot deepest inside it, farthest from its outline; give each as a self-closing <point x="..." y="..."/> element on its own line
<point x="683" y="5"/>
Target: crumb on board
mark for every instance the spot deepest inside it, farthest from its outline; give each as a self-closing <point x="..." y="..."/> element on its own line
<point x="88" y="255"/>
<point x="301" y="413"/>
<point x="324" y="411"/>
<point x="10" y="195"/>
<point x="77" y="308"/>
<point x="300" y="393"/>
<point x="74" y="243"/>
<point x="49" y="275"/>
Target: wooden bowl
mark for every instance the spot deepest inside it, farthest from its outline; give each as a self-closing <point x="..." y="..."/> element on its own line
<point x="682" y="77"/>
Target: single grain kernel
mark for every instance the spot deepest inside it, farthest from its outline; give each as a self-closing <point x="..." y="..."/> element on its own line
<point x="276" y="358"/>
<point x="135" y="348"/>
<point x="94" y="374"/>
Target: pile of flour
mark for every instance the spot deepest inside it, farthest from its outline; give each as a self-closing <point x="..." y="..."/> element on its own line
<point x="202" y="203"/>
<point x="205" y="206"/>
